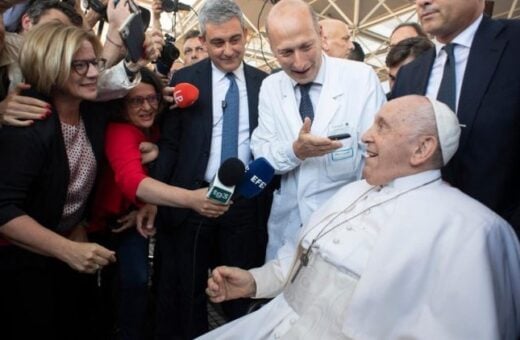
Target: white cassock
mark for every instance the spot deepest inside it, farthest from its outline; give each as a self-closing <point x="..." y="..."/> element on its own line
<point x="415" y="259"/>
<point x="349" y="99"/>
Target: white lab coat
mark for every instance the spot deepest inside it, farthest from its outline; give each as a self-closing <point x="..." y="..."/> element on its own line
<point x="351" y="94"/>
<point x="444" y="266"/>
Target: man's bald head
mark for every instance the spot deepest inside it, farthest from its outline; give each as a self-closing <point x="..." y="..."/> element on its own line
<point x="295" y="38"/>
<point x="284" y="9"/>
<point x="336" y="40"/>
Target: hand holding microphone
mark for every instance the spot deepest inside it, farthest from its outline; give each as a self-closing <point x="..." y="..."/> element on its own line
<point x="233" y="181"/>
<point x="182" y="95"/>
<point x="214" y="201"/>
<point x="230" y="173"/>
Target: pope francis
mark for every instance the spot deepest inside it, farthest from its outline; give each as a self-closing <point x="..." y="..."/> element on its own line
<point x="398" y="255"/>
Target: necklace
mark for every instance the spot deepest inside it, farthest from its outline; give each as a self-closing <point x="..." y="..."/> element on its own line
<point x="306" y="253"/>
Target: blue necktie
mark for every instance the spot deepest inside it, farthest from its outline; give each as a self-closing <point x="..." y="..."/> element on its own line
<point x="306" y="109"/>
<point x="230" y="121"/>
<point x="447" y="90"/>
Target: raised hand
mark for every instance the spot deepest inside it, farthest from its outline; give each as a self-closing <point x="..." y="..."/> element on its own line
<point x="308" y="145"/>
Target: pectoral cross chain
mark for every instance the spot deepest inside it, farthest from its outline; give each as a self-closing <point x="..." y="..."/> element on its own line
<point x="304" y="261"/>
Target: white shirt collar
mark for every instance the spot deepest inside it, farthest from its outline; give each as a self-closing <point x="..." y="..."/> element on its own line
<point x="218" y="75"/>
<point x="403" y="183"/>
<point x="465" y="38"/>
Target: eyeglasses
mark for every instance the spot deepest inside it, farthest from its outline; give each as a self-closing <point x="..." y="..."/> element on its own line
<point x="81" y="66"/>
<point x="138" y="101"/>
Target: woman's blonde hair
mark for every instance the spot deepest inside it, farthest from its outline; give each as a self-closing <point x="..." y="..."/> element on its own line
<point x="47" y="53"/>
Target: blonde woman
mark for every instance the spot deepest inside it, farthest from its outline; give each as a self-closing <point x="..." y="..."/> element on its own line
<point x="46" y="176"/>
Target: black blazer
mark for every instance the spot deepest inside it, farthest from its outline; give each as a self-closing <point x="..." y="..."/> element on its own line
<point x="186" y="134"/>
<point x="34" y="171"/>
<point x="487" y="163"/>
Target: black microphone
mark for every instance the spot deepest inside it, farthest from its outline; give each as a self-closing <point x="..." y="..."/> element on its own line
<point x="228" y="176"/>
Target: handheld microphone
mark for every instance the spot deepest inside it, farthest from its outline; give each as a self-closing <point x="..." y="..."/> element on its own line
<point x="185" y="94"/>
<point x="229" y="174"/>
<point x="258" y="174"/>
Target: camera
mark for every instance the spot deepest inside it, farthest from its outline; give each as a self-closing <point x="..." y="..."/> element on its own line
<point x="96" y="5"/>
<point x="174" y="6"/>
<point x="168" y="55"/>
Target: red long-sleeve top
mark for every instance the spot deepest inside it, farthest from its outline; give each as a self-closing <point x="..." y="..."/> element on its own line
<point x="117" y="187"/>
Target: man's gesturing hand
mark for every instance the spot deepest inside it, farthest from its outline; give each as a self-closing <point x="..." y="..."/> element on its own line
<point x="308" y="145"/>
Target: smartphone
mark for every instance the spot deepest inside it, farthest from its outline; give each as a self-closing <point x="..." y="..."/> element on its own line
<point x="339" y="136"/>
<point x="132" y="34"/>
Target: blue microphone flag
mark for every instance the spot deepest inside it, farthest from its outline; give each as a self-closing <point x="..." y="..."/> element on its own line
<point x="259" y="173"/>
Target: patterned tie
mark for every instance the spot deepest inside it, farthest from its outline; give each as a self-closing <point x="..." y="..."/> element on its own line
<point x="306" y="109"/>
<point x="230" y="121"/>
<point x="447" y="90"/>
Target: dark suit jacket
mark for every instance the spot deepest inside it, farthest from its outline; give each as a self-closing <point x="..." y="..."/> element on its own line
<point x="34" y="171"/>
<point x="487" y="163"/>
<point x="186" y="134"/>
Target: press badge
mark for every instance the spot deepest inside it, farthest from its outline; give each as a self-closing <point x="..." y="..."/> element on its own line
<point x="342" y="153"/>
<point x="347" y="150"/>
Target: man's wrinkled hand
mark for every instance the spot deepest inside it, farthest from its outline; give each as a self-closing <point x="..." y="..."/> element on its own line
<point x="229" y="283"/>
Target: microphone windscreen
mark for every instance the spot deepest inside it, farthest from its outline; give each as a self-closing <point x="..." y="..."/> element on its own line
<point x="185" y="94"/>
<point x="231" y="172"/>
<point x="258" y="174"/>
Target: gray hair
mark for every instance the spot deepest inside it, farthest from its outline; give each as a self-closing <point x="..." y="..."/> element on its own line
<point x="39" y="8"/>
<point x="218" y="12"/>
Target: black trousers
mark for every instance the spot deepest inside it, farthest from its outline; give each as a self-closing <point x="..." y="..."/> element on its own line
<point x="43" y="298"/>
<point x="237" y="238"/>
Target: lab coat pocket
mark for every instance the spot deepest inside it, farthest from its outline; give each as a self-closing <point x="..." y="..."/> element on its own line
<point x="341" y="164"/>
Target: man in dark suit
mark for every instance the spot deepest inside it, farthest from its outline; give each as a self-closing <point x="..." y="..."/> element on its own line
<point x="485" y="94"/>
<point x="191" y="147"/>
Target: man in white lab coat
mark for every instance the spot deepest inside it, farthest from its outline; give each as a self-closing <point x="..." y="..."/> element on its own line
<point x="345" y="96"/>
<point x="399" y="255"/>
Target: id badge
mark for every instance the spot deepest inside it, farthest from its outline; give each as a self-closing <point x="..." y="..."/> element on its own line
<point x="347" y="150"/>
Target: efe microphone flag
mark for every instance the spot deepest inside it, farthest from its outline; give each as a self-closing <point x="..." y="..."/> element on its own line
<point x="258" y="174"/>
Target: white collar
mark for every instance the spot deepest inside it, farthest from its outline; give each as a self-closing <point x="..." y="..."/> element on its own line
<point x="403" y="183"/>
<point x="465" y="38"/>
<point x="218" y="75"/>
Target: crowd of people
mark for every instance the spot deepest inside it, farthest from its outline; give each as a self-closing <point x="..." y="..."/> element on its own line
<point x="390" y="216"/>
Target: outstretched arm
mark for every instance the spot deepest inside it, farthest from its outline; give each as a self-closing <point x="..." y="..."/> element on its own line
<point x="82" y="256"/>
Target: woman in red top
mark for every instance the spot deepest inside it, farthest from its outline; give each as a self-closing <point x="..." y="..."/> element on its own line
<point x="116" y="202"/>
